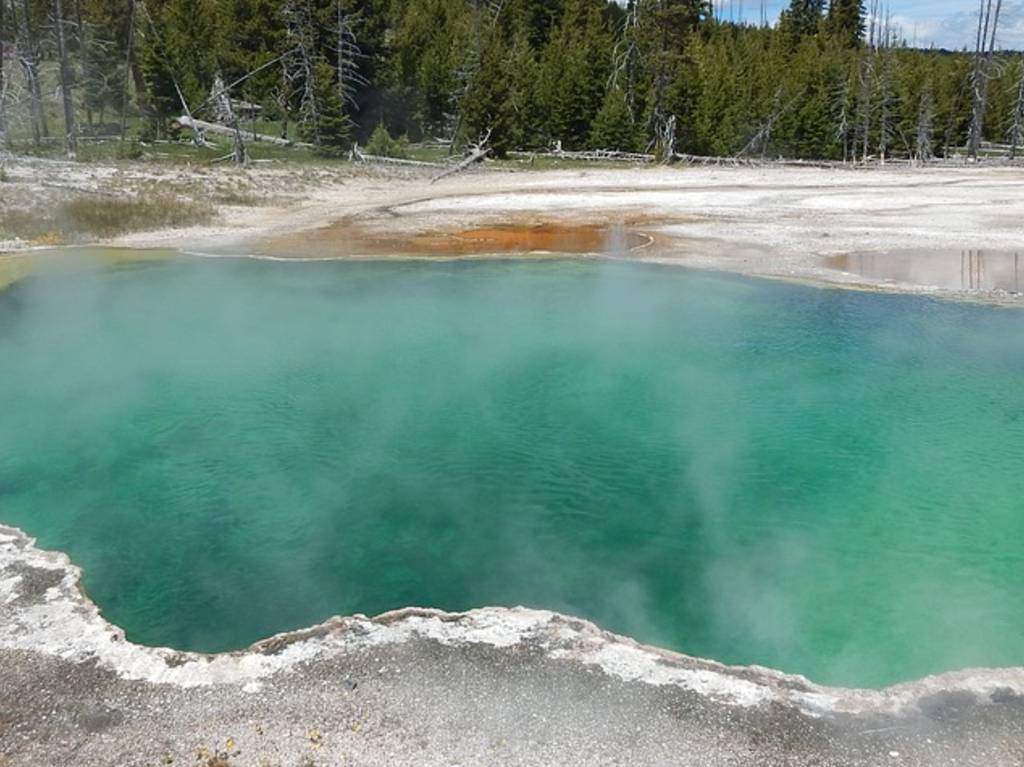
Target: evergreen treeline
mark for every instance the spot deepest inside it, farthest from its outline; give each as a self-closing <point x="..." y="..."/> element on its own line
<point x="651" y="75"/>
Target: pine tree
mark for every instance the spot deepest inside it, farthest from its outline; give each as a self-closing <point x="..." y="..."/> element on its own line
<point x="156" y="71"/>
<point x="253" y="36"/>
<point x="664" y="31"/>
<point x="1015" y="128"/>
<point x="846" y="21"/>
<point x="322" y="120"/>
<point x="649" y="75"/>
<point x="421" y="72"/>
<point x="810" y="125"/>
<point x="718" y="118"/>
<point x="102" y="55"/>
<point x="483" y="105"/>
<point x="574" y="70"/>
<point x="613" y="126"/>
<point x="325" y="124"/>
<point x="519" y="110"/>
<point x="190" y="30"/>
<point x="801" y="19"/>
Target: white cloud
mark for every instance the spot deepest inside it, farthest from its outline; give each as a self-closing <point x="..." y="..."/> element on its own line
<point x="959" y="29"/>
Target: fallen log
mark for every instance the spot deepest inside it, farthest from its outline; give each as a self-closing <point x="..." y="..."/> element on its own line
<point x="223" y="130"/>
<point x="475" y="156"/>
<point x="478" y="152"/>
<point x="376" y="158"/>
<point x="593" y="155"/>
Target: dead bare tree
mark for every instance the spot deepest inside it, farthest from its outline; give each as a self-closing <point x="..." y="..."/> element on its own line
<point x="1016" y="132"/>
<point x="348" y="54"/>
<point x="988" y="24"/>
<point x="129" y="53"/>
<point x="762" y="138"/>
<point x="887" y="103"/>
<point x="865" y="103"/>
<point x="664" y="143"/>
<point x="222" y="130"/>
<point x="841" y="109"/>
<point x="626" y="59"/>
<point x="66" y="85"/>
<point x="300" y="64"/>
<point x="925" y="134"/>
<point x="477" y="152"/>
<point x="282" y="95"/>
<point x="3" y="74"/>
<point x="224" y="113"/>
<point x="867" y="81"/>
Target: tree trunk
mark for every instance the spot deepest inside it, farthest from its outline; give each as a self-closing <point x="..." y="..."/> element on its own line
<point x="988" y="24"/>
<point x="30" y="64"/>
<point x="3" y="81"/>
<point x="281" y="98"/>
<point x="225" y="110"/>
<point x="127" y="72"/>
<point x="866" y="96"/>
<point x="67" y="96"/>
<point x="80" y="27"/>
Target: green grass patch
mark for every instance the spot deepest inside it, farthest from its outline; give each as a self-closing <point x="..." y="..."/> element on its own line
<point x="92" y="216"/>
<point x="182" y="152"/>
<point x="428" y="152"/>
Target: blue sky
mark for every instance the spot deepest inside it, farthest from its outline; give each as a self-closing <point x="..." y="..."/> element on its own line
<point x="944" y="23"/>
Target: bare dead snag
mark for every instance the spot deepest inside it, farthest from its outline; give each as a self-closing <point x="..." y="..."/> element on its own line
<point x="760" y="141"/>
<point x="300" y="65"/>
<point x="226" y="116"/>
<point x="348" y="54"/>
<point x="886" y="107"/>
<point x="988" y="24"/>
<point x="70" y="128"/>
<point x="1016" y="132"/>
<point x="925" y="129"/>
<point x="841" y="109"/>
<point x="222" y="130"/>
<point x="478" y="152"/>
<point x="666" y="139"/>
<point x="358" y="155"/>
<point x="3" y="75"/>
<point x="627" y="59"/>
<point x="127" y="71"/>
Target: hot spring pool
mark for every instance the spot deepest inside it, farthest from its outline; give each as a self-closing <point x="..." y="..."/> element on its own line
<point x="826" y="482"/>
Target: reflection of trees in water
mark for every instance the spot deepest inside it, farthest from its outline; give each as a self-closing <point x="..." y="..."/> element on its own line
<point x="973" y="272"/>
<point x="979" y="269"/>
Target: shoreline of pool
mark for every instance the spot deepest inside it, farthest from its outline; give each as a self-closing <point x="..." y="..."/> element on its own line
<point x="46" y="620"/>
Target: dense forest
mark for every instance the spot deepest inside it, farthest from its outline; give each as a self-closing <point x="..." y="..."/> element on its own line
<point x="662" y="76"/>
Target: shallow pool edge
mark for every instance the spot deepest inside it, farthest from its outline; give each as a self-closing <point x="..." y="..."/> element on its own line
<point x="45" y="611"/>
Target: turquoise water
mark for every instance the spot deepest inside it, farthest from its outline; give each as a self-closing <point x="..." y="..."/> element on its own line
<point x="827" y="482"/>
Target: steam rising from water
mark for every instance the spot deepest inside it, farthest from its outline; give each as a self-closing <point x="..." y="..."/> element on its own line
<point x="819" y="481"/>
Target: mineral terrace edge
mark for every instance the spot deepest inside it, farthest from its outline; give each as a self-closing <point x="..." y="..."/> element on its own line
<point x="44" y="610"/>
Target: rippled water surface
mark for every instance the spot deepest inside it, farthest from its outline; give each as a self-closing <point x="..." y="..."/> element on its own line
<point x="826" y="482"/>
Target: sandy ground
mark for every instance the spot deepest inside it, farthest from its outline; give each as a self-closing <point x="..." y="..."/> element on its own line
<point x="421" y="687"/>
<point x="955" y="232"/>
<point x="952" y="232"/>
